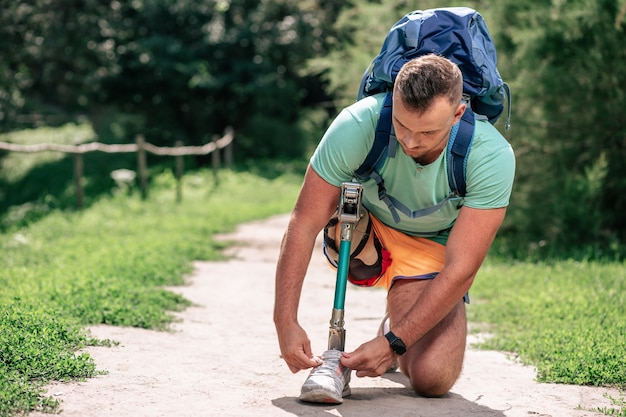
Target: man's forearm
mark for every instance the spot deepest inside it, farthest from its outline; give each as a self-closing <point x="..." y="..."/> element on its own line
<point x="291" y="269"/>
<point x="435" y="301"/>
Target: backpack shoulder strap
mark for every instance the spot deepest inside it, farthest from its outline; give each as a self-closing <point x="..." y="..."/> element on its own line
<point x="379" y="152"/>
<point x="458" y="149"/>
<point x="379" y="149"/>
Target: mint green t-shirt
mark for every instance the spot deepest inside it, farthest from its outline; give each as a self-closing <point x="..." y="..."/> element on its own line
<point x="489" y="172"/>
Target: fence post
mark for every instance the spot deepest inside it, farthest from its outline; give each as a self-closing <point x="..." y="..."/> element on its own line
<point x="215" y="161"/>
<point x="228" y="155"/>
<point x="215" y="156"/>
<point x="142" y="166"/>
<point x="179" y="173"/>
<point x="78" y="179"/>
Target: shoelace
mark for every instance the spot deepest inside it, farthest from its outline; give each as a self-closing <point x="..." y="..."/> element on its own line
<point x="327" y="368"/>
<point x="331" y="362"/>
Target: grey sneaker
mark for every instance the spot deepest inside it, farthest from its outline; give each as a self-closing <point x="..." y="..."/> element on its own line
<point x="328" y="382"/>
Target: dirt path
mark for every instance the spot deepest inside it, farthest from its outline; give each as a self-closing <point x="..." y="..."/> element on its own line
<point x="222" y="359"/>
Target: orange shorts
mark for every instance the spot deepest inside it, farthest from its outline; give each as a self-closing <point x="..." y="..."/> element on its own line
<point x="401" y="257"/>
<point x="412" y="257"/>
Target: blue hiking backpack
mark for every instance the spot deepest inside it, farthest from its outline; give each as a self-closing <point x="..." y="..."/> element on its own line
<point x="461" y="35"/>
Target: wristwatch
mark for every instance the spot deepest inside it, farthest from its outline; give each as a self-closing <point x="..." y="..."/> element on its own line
<point x="397" y="345"/>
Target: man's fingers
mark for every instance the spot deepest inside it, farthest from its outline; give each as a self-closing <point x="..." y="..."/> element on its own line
<point x="362" y="374"/>
<point x="302" y="361"/>
<point x="352" y="360"/>
<point x="367" y="360"/>
<point x="296" y="349"/>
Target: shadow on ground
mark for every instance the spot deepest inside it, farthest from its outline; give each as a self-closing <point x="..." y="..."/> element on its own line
<point x="369" y="401"/>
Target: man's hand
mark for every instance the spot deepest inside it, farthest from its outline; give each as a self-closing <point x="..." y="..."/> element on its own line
<point x="295" y="348"/>
<point x="372" y="358"/>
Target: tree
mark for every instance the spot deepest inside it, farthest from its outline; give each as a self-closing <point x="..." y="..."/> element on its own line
<point x="188" y="69"/>
<point x="173" y="69"/>
<point x="568" y="67"/>
<point x="48" y="58"/>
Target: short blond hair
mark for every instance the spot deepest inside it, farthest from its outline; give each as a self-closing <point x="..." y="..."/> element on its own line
<point x="422" y="79"/>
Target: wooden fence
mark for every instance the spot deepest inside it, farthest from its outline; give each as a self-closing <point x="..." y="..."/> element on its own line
<point x="141" y="147"/>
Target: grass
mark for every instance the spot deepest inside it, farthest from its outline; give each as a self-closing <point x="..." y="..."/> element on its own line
<point x="620" y="403"/>
<point x="564" y="317"/>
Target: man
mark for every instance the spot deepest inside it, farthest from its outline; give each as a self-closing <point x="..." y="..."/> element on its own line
<point x="434" y="258"/>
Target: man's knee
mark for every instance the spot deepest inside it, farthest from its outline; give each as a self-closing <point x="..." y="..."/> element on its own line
<point x="433" y="382"/>
<point x="431" y="388"/>
<point x="433" y="372"/>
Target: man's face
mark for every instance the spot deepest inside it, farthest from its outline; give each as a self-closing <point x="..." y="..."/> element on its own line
<point x="423" y="136"/>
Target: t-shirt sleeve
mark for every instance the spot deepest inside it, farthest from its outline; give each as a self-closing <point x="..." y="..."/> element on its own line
<point x="346" y="143"/>
<point x="491" y="170"/>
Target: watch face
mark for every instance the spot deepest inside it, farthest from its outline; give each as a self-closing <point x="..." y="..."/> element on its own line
<point x="397" y="345"/>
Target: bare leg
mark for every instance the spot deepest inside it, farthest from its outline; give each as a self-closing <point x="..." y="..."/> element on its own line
<point x="434" y="363"/>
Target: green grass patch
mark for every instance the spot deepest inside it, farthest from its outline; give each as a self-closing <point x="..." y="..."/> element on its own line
<point x="566" y="318"/>
<point x="36" y="346"/>
<point x="110" y="264"/>
<point x="618" y="409"/>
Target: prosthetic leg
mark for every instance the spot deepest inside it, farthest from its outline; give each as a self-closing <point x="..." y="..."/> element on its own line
<point x="349" y="214"/>
<point x="329" y="382"/>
